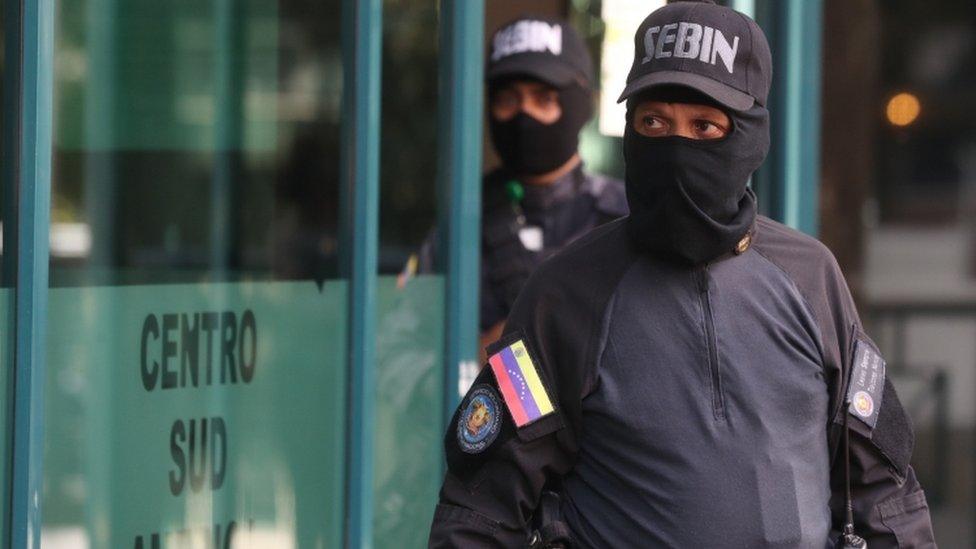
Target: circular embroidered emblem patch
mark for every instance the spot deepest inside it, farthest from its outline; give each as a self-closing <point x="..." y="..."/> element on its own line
<point x="481" y="420"/>
<point x="863" y="404"/>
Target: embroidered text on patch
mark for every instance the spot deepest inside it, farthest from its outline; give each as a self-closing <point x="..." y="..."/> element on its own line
<point x="867" y="384"/>
<point x="518" y="378"/>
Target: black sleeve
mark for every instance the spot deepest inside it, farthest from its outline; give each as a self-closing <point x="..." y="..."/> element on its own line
<point x="493" y="486"/>
<point x="889" y="505"/>
<point x="890" y="509"/>
<point x="489" y="495"/>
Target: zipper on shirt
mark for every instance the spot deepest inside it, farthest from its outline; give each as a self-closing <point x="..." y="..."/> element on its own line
<point x="718" y="400"/>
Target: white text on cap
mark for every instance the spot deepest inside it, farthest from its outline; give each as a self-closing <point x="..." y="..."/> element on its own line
<point x="691" y="41"/>
<point x="527" y="36"/>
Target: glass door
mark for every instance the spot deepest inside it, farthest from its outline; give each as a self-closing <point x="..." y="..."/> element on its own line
<point x="197" y="364"/>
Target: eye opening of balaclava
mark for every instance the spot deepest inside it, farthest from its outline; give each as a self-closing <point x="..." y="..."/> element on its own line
<point x="690" y="198"/>
<point x="525" y="145"/>
<point x="681" y="94"/>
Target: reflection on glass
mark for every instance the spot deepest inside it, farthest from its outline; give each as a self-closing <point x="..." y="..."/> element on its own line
<point x="8" y="220"/>
<point x="196" y="141"/>
<point x="410" y="309"/>
<point x="196" y="387"/>
<point x="408" y="171"/>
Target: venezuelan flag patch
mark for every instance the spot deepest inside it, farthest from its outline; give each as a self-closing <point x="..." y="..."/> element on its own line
<point x="520" y="384"/>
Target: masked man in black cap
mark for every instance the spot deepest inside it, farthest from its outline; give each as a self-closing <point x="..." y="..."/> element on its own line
<point x="540" y="79"/>
<point x="693" y="375"/>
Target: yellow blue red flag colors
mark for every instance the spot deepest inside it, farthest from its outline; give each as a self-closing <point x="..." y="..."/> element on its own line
<point x="520" y="384"/>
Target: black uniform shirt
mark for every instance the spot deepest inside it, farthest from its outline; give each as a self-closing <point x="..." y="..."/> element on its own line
<point x="561" y="212"/>
<point x="694" y="407"/>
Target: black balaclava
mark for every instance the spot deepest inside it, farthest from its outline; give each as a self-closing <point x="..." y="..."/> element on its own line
<point x="690" y="198"/>
<point x="529" y="147"/>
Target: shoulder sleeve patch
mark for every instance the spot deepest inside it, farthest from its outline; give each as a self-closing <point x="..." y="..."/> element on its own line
<point x="480" y="420"/>
<point x="866" y="389"/>
<point x="521" y="385"/>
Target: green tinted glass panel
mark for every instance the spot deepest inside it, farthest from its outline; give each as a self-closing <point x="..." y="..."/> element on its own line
<point x="196" y="141"/>
<point x="162" y="89"/>
<point x="408" y="159"/>
<point x="6" y="363"/>
<point x="410" y="311"/>
<point x="195" y="207"/>
<point x="185" y="411"/>
<point x="409" y="452"/>
<point x="9" y="143"/>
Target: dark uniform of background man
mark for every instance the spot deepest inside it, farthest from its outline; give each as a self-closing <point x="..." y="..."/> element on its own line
<point x="685" y="374"/>
<point x="539" y="77"/>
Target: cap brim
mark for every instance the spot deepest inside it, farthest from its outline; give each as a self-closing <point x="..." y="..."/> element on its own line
<point x="547" y="70"/>
<point x="723" y="94"/>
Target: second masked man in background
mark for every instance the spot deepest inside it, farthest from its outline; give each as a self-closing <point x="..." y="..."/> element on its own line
<point x="540" y="81"/>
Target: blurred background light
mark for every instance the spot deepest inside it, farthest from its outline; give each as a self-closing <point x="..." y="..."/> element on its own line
<point x="903" y="109"/>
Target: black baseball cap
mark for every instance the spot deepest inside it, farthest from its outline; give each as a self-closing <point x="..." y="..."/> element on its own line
<point x="710" y="48"/>
<point x="542" y="48"/>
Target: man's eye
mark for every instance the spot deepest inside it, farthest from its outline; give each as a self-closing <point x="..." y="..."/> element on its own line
<point x="708" y="128"/>
<point x="652" y="122"/>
